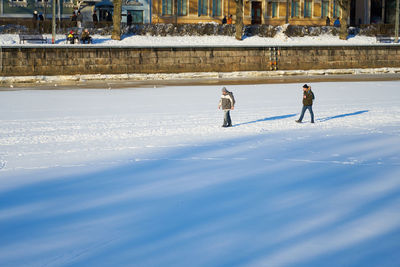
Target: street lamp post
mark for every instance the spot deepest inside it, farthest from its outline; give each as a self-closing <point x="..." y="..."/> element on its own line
<point x="53" y="22"/>
<point x="396" y="27"/>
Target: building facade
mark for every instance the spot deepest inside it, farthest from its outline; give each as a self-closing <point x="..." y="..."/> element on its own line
<point x="271" y="12"/>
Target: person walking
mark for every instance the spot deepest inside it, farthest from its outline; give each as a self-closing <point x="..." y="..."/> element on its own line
<point x="129" y="19"/>
<point x="224" y="20"/>
<point x="328" y="21"/>
<point x="308" y="97"/>
<point x="41" y="22"/>
<point x="94" y="18"/>
<point x="227" y="103"/>
<point x="336" y="23"/>
<point x="229" y="21"/>
<point x="35" y="20"/>
<point x="79" y="19"/>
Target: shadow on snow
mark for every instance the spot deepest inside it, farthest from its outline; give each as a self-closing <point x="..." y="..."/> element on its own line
<point x="342" y="115"/>
<point x="256" y="201"/>
<point x="266" y="119"/>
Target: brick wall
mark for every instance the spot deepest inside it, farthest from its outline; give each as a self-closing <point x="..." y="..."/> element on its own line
<point x="100" y="60"/>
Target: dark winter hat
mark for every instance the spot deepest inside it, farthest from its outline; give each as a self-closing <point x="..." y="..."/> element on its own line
<point x="305" y="86"/>
<point x="224" y="89"/>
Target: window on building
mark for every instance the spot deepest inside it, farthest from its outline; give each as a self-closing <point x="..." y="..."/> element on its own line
<point x="295" y="8"/>
<point x="167" y="7"/>
<point x="182" y="7"/>
<point x="137" y="16"/>
<point x="203" y="7"/>
<point x="217" y="8"/>
<point x="274" y="8"/>
<point x="68" y="3"/>
<point x="307" y="8"/>
<point x="324" y="9"/>
<point x="18" y="3"/>
<point x="336" y="9"/>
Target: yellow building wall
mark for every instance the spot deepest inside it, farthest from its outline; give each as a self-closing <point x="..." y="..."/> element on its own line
<point x="317" y="10"/>
<point x="229" y="7"/>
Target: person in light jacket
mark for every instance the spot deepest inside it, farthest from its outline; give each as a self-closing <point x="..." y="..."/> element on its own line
<point x="227" y="103"/>
<point x="79" y="19"/>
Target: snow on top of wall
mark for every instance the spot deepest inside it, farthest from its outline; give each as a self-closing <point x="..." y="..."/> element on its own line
<point x="196" y="41"/>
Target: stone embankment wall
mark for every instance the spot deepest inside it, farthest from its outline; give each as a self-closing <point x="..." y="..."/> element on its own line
<point x="47" y="60"/>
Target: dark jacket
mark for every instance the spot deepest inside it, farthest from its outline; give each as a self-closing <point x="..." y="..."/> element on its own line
<point x="308" y="99"/>
<point x="129" y="20"/>
<point x="79" y="17"/>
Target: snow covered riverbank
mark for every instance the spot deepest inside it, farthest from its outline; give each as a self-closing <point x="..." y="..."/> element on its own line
<point x="196" y="41"/>
<point x="112" y="81"/>
<point x="147" y="175"/>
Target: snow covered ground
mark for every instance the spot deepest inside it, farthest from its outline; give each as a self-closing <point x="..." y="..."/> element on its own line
<point x="136" y="40"/>
<point x="147" y="177"/>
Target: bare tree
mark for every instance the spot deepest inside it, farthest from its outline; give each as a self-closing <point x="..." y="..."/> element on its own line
<point x="345" y="6"/>
<point x="116" y="33"/>
<point x="239" y="19"/>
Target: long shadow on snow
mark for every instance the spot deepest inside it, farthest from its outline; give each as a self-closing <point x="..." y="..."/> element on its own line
<point x="259" y="200"/>
<point x="342" y="115"/>
<point x="266" y="119"/>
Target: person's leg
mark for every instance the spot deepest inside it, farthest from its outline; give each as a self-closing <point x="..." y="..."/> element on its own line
<point x="303" y="110"/>
<point x="225" y="118"/>
<point x="311" y="113"/>
<point x="229" y="119"/>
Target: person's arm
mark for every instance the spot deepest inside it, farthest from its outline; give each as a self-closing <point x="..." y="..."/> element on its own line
<point x="232" y="105"/>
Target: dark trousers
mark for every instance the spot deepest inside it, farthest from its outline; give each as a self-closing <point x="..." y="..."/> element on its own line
<point x="227" y="118"/>
<point x="304" y="110"/>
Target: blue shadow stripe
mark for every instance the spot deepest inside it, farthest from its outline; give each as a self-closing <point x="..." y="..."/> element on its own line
<point x="343" y="115"/>
<point x="266" y="119"/>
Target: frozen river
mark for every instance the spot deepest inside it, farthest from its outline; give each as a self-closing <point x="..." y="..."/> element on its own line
<point x="148" y="177"/>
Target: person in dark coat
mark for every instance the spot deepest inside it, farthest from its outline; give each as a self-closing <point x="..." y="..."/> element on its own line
<point x="94" y="17"/>
<point x="224" y="21"/>
<point x="109" y="16"/>
<point x="35" y="16"/>
<point x="41" y="23"/>
<point x="308" y="97"/>
<point x="129" y="19"/>
<point x="73" y="16"/>
<point x="35" y="20"/>
<point x="328" y="21"/>
<point x="227" y="103"/>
